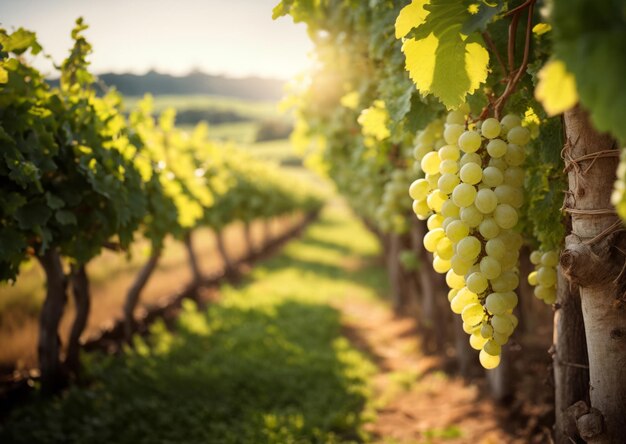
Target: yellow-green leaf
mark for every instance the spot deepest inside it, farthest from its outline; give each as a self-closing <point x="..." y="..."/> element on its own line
<point x="411" y="16"/>
<point x="542" y="28"/>
<point x="4" y="75"/>
<point x="556" y="89"/>
<point x="449" y="68"/>
<point x="373" y="121"/>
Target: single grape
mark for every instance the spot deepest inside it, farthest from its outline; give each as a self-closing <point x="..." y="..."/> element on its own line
<point x="452" y="133"/>
<point x="447" y="182"/>
<point x="477" y="283"/>
<point x="471" y="173"/>
<point x="490" y="128"/>
<point x="449" y="152"/>
<point x="470" y="158"/>
<point x="421" y="209"/>
<point x="468" y="248"/>
<point x="436" y="199"/>
<point x="449" y="209"/>
<point x="489" y="228"/>
<point x="505" y="216"/>
<point x="486" y="201"/>
<point x="492" y="348"/>
<point x="546" y="276"/>
<point x="464" y="195"/>
<point x="456" y="117"/>
<point x="462" y="299"/>
<point x="432" y="238"/>
<point x="457" y="230"/>
<point x="532" y="278"/>
<point x="434" y="221"/>
<point x="496" y="148"/>
<point x="454" y="280"/>
<point x="460" y="265"/>
<point x="486" y="330"/>
<point x="535" y="257"/>
<point x="444" y="248"/>
<point x="430" y="163"/>
<point x="495" y="248"/>
<point x="471" y="216"/>
<point x="490" y="267"/>
<point x="470" y="141"/>
<point x="473" y="313"/>
<point x="502" y="324"/>
<point x="496" y="304"/>
<point x="518" y="135"/>
<point x="488" y="361"/>
<point x="448" y="167"/>
<point x="510" y="121"/>
<point x="441" y="265"/>
<point x="477" y="342"/>
<point x="492" y="176"/>
<point x="515" y="155"/>
<point x="419" y="189"/>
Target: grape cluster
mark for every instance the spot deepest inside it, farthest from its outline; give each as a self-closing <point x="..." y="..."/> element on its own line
<point x="471" y="194"/>
<point x="544" y="278"/>
<point x="394" y="207"/>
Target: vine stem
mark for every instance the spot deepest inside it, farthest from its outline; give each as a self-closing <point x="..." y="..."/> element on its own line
<point x="494" y="49"/>
<point x="510" y="87"/>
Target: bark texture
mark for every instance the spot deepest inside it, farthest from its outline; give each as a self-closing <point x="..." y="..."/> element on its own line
<point x="593" y="258"/>
<point x="132" y="297"/>
<point x="193" y="260"/>
<point x="49" y="344"/>
<point x="569" y="357"/>
<point x="82" y="302"/>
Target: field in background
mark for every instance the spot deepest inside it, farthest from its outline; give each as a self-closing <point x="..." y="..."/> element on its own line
<point x="112" y="274"/>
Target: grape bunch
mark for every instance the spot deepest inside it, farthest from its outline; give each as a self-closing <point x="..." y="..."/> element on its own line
<point x="470" y="196"/>
<point x="394" y="207"/>
<point x="544" y="278"/>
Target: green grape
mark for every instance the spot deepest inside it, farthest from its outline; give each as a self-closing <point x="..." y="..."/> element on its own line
<point x="490" y="267"/>
<point x="518" y="135"/>
<point x="492" y="348"/>
<point x="449" y="209"/>
<point x="500" y="338"/>
<point x="535" y="257"/>
<point x="489" y="228"/>
<point x="471" y="216"/>
<point x="496" y="148"/>
<point x="432" y="180"/>
<point x="505" y="216"/>
<point x="447" y="221"/>
<point x="436" y="199"/>
<point x="477" y="283"/>
<point x="495" y="248"/>
<point x="486" y="330"/>
<point x="514" y="176"/>
<point x="510" y="121"/>
<point x="499" y="164"/>
<point x="449" y="152"/>
<point x="496" y="304"/>
<point x="546" y="276"/>
<point x="507" y="281"/>
<point x="421" y="209"/>
<point x="477" y="342"/>
<point x="462" y="299"/>
<point x="447" y="182"/>
<point x="515" y="155"/>
<point x="452" y="133"/>
<point x="455" y="117"/>
<point x="470" y="141"/>
<point x="421" y="150"/>
<point x="460" y="265"/>
<point x="432" y="238"/>
<point x="473" y="313"/>
<point x="444" y="249"/>
<point x="502" y="324"/>
<point x="430" y="163"/>
<point x="486" y="201"/>
<point x="490" y="128"/>
<point x="463" y="195"/>
<point x="448" y="167"/>
<point x="454" y="280"/>
<point x="471" y="329"/>
<point x="550" y="259"/>
<point x="468" y="248"/>
<point x="471" y="173"/>
<point x="434" y="221"/>
<point x="470" y="158"/>
<point x="441" y="265"/>
<point x="457" y="230"/>
<point x="532" y="278"/>
<point x="452" y="293"/>
<point x="492" y="176"/>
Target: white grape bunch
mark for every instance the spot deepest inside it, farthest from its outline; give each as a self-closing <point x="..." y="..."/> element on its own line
<point x="544" y="277"/>
<point x="471" y="194"/>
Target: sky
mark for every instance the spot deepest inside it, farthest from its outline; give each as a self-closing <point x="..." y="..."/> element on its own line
<point x="233" y="37"/>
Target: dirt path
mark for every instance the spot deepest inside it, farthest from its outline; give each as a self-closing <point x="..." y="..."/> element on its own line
<point x="415" y="401"/>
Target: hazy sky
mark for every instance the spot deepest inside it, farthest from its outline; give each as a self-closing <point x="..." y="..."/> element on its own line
<point x="234" y="37"/>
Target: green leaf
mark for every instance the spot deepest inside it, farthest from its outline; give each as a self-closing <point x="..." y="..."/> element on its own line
<point x="4" y="75"/>
<point x="33" y="214"/>
<point x="65" y="217"/>
<point x="480" y="19"/>
<point x="20" y="41"/>
<point x="556" y="89"/>
<point x="441" y="60"/>
<point x="54" y="202"/>
<point x="590" y="37"/>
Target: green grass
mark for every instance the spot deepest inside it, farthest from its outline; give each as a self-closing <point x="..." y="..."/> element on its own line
<point x="267" y="364"/>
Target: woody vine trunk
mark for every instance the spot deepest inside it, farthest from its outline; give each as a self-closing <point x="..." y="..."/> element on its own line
<point x="593" y="258"/>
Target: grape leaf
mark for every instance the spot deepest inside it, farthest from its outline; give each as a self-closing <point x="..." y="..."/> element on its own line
<point x="441" y="60"/>
<point x="480" y="19"/>
<point x="556" y="89"/>
<point x="590" y="37"/>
